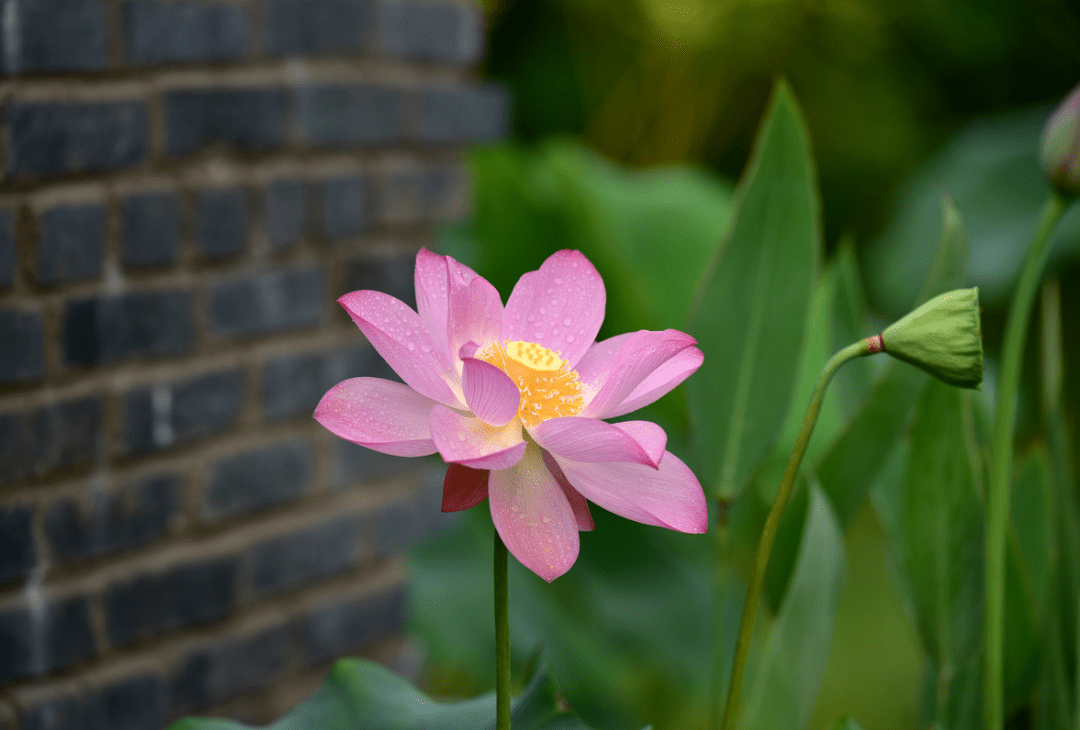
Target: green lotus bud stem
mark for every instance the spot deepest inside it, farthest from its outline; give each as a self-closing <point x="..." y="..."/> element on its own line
<point x="943" y="337"/>
<point x="1060" y="150"/>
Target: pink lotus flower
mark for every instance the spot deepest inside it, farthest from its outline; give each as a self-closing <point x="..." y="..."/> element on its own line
<point x="512" y="399"/>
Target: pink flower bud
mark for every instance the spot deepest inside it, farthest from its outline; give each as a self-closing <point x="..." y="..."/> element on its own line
<point x="1060" y="151"/>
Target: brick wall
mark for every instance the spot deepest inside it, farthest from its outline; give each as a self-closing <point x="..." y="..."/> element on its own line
<point x="188" y="186"/>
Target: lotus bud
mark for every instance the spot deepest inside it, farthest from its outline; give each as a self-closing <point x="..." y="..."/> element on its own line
<point x="942" y="336"/>
<point x="1060" y="149"/>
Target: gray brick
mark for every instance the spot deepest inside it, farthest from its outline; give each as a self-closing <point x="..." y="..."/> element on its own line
<point x="285" y="203"/>
<point x="454" y="115"/>
<point x="333" y="631"/>
<point x="311" y="27"/>
<point x="109" y="523"/>
<point x="269" y="302"/>
<point x="177" y="413"/>
<point x="71" y="243"/>
<point x="51" y="138"/>
<point x="390" y="274"/>
<point x="65" y="712"/>
<point x="110" y="329"/>
<point x="187" y="595"/>
<point x="151" y="229"/>
<point x="22" y="356"/>
<point x="35" y="443"/>
<point x="58" y="636"/>
<point x="221" y="222"/>
<point x="137" y="703"/>
<point x="7" y="247"/>
<point x="355" y="464"/>
<point x="304" y="557"/>
<point x="258" y="478"/>
<point x="242" y="119"/>
<point x="293" y="385"/>
<point x="401" y="525"/>
<point x="17" y="552"/>
<point x="54" y="35"/>
<point x="431" y="31"/>
<point x="183" y="32"/>
<point x="418" y="196"/>
<point x="224" y="669"/>
<point x="335" y="115"/>
<point x="345" y="207"/>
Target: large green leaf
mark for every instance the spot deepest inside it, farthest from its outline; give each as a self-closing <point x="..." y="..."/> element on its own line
<point x="362" y="695"/>
<point x="848" y="466"/>
<point x="626" y="652"/>
<point x="750" y="311"/>
<point x="850" y="324"/>
<point x="792" y="663"/>
<point x="991" y="169"/>
<point x="649" y="232"/>
<point x="941" y="536"/>
<point x="1058" y="691"/>
<point x="1027" y="576"/>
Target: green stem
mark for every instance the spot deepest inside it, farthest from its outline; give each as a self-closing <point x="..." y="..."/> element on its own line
<point x="772" y="523"/>
<point x="997" y="510"/>
<point x="721" y="580"/>
<point x="502" y="637"/>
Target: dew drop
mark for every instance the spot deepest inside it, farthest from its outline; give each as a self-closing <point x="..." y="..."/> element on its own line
<point x="461" y="436"/>
<point x="569" y="338"/>
<point x="551" y="290"/>
<point x="545" y="519"/>
<point x="555" y="332"/>
<point x="543" y="311"/>
<point x="567" y="321"/>
<point x="558" y="280"/>
<point x="425" y="348"/>
<point x="411" y="346"/>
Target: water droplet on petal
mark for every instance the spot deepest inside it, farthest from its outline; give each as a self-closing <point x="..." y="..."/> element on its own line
<point x="569" y="338"/>
<point x="567" y="321"/>
<point x="546" y="519"/>
<point x="543" y="311"/>
<point x="551" y="290"/>
<point x="411" y="346"/>
<point x="461" y="436"/>
<point x="425" y="348"/>
<point x="558" y="280"/>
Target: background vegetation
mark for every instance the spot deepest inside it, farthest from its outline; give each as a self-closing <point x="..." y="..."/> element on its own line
<point x="633" y="120"/>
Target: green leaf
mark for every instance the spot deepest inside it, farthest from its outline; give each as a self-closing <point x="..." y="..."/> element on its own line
<point x="941" y="534"/>
<point x="788" y="675"/>
<point x="750" y="310"/>
<point x="1027" y="575"/>
<point x="649" y="232"/>
<point x="362" y="694"/>
<point x="847" y="723"/>
<point x="625" y="651"/>
<point x="1058" y="691"/>
<point x="848" y="466"/>
<point x="991" y="169"/>
<point x="849" y="324"/>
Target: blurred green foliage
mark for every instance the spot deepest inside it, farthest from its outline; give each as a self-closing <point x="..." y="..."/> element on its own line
<point x="629" y="629"/>
<point x="883" y="83"/>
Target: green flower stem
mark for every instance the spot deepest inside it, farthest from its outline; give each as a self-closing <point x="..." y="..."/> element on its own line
<point x="772" y="523"/>
<point x="502" y="637"/>
<point x="997" y="511"/>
